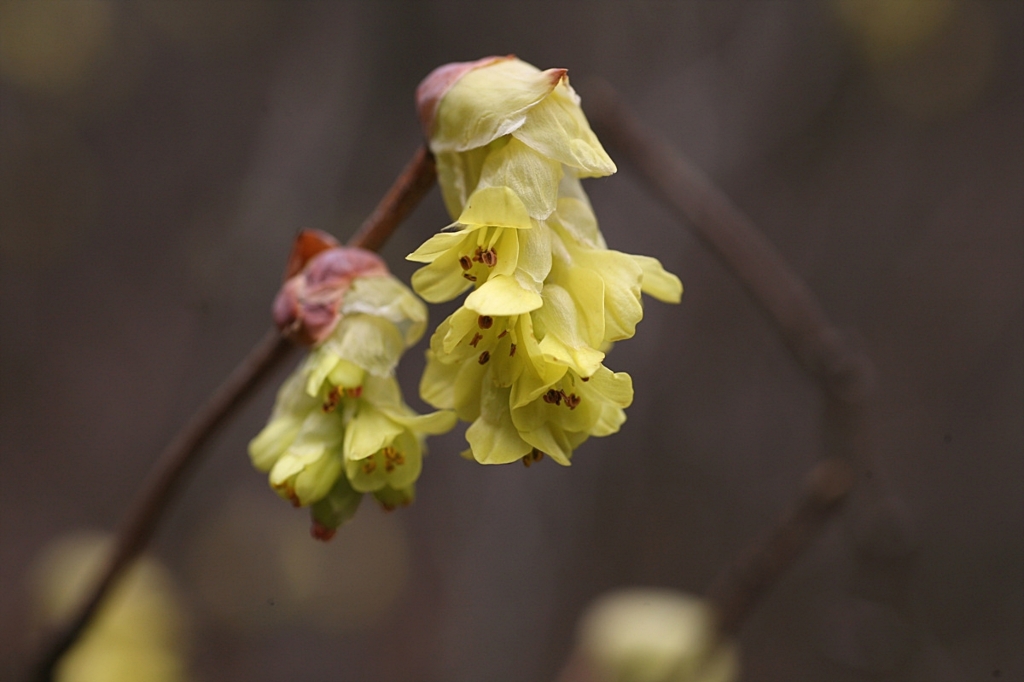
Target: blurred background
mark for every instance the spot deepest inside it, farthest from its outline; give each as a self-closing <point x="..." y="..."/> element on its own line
<point x="157" y="159"/>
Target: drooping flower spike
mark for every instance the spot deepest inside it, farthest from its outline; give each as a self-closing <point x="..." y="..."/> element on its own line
<point x="522" y="359"/>
<point x="340" y="428"/>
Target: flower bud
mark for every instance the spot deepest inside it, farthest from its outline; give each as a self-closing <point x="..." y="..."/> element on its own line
<point x="318" y="275"/>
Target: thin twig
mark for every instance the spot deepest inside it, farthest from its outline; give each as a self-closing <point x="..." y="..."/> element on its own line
<point x="182" y="453"/>
<point x="843" y="371"/>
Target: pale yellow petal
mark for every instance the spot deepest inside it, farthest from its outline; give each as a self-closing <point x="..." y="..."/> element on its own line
<point x="616" y="387"/>
<point x="533" y="177"/>
<point x="317" y="367"/>
<point x="622" y="277"/>
<point x="437" y="245"/>
<point x="432" y="423"/>
<point x="557" y="128"/>
<point x="610" y="421"/>
<point x="496" y="206"/>
<point x="437" y="385"/>
<point x="534" y="262"/>
<point x="489" y="102"/>
<point x="347" y="374"/>
<point x="502" y="295"/>
<point x="373" y="343"/>
<point x="292" y="407"/>
<point x="658" y="282"/>
<point x="565" y="327"/>
<point x="442" y="280"/>
<point x="492" y="437"/>
<point x="552" y="442"/>
<point x="316" y="480"/>
<point x="457" y="175"/>
<point x="391" y="300"/>
<point x="370" y="431"/>
<point x="577" y="218"/>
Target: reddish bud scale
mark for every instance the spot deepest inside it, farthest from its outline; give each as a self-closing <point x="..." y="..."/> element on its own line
<point x="321" y="532"/>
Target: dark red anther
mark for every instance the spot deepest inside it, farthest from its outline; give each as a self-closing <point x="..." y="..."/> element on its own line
<point x="489" y="258"/>
<point x="531" y="457"/>
<point x="476" y="340"/>
<point x="571" y="400"/>
<point x="332" y="400"/>
<point x="465" y="262"/>
<point x="553" y="396"/>
<point x="484" y="357"/>
<point x="471" y="278"/>
<point x="512" y="350"/>
<point x="485" y="321"/>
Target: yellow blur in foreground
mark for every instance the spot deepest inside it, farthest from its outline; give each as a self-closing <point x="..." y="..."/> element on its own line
<point x="654" y="635"/>
<point x="138" y="633"/>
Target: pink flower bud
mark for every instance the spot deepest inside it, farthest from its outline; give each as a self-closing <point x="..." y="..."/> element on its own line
<point x="319" y="273"/>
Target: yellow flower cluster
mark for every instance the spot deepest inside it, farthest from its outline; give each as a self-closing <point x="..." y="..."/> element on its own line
<point x="522" y="359"/>
<point x="340" y="428"/>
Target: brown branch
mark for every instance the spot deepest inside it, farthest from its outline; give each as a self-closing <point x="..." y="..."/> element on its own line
<point x="182" y="453"/>
<point x="844" y="373"/>
<point x="736" y="592"/>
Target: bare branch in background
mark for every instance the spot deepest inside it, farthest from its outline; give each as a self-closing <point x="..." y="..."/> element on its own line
<point x="844" y="373"/>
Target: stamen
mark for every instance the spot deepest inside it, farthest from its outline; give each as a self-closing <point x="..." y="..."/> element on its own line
<point x="484" y="357"/>
<point x="476" y="340"/>
<point x="471" y="278"/>
<point x="512" y="350"/>
<point x="332" y="400"/>
<point x="354" y="392"/>
<point x="485" y="322"/>
<point x="503" y="332"/>
<point x="369" y="466"/>
<point x="465" y="262"/>
<point x="489" y="258"/>
<point x="584" y="378"/>
<point x="571" y="401"/>
<point x="531" y="457"/>
<point x="394" y="457"/>
<point x="554" y="396"/>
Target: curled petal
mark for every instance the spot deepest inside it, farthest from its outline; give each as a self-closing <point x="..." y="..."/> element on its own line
<point x="658" y="282"/>
<point x="487" y="101"/>
<point x="437" y="84"/>
<point x="557" y="128"/>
